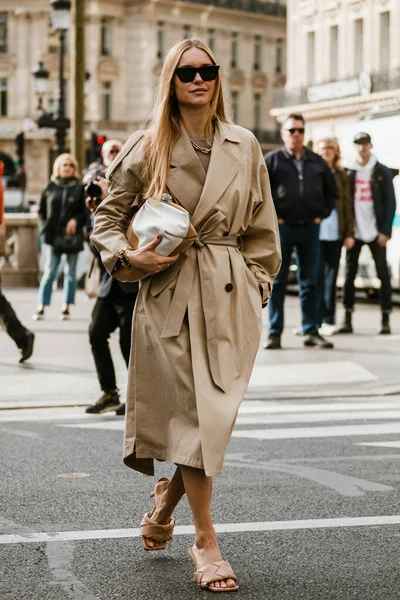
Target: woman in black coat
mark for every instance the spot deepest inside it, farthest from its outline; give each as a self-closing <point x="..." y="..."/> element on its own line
<point x="62" y="215"/>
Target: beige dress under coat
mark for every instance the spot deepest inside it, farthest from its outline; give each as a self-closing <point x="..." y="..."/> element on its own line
<point x="197" y="325"/>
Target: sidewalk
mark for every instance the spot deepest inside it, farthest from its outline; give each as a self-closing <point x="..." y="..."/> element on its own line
<point x="61" y="371"/>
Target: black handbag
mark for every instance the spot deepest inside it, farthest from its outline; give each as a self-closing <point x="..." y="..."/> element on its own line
<point x="63" y="243"/>
<point x="68" y="244"/>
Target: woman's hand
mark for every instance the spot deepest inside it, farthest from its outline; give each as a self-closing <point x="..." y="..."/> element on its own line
<point x="71" y="227"/>
<point x="147" y="259"/>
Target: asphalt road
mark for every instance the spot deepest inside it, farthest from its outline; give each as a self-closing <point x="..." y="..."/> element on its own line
<point x="314" y="513"/>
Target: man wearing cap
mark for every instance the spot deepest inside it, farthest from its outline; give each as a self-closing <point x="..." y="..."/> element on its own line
<point x="371" y="185"/>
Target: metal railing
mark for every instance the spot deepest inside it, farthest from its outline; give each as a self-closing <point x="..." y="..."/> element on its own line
<point x="274" y="9"/>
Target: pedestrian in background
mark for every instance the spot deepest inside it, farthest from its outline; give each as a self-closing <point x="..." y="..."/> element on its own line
<point x="62" y="216"/>
<point x="197" y="321"/>
<point x="23" y="338"/>
<point x="114" y="304"/>
<point x="372" y="191"/>
<point x="335" y="230"/>
<point x="304" y="192"/>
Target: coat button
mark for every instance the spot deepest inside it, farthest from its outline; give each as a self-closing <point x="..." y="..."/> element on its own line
<point x="229" y="287"/>
<point x="225" y="233"/>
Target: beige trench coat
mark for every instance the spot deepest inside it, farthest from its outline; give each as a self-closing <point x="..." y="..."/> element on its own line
<point x="197" y="325"/>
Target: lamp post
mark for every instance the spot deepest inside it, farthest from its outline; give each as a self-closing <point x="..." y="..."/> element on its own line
<point x="60" y="19"/>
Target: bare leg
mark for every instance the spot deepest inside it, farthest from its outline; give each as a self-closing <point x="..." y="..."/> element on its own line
<point x="199" y="491"/>
<point x="167" y="497"/>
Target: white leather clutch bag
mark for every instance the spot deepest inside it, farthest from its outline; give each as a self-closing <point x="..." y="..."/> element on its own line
<point x="165" y="218"/>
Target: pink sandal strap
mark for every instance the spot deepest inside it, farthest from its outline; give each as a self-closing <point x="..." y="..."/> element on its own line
<point x="154" y="531"/>
<point x="213" y="572"/>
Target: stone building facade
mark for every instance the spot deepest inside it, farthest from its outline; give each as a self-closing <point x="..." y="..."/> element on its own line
<point x="125" y="44"/>
<point x="343" y="69"/>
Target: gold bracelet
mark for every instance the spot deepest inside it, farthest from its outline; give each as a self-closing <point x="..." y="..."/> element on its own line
<point x="122" y="258"/>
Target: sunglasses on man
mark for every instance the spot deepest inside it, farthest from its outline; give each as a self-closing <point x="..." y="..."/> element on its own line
<point x="293" y="130"/>
<point x="187" y="74"/>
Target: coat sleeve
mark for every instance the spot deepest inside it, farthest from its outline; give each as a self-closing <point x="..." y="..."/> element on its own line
<point x="42" y="212"/>
<point x="260" y="243"/>
<point x="113" y="215"/>
<point x="389" y="199"/>
<point x="348" y="206"/>
<point x="330" y="193"/>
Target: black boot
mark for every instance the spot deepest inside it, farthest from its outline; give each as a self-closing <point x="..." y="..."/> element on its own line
<point x="385" y="329"/>
<point x="273" y="342"/>
<point x="347" y="326"/>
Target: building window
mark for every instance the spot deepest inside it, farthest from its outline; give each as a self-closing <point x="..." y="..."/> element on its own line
<point x="257" y="53"/>
<point x="211" y="39"/>
<point x="385" y="40"/>
<point x="257" y="112"/>
<point x="234" y="50"/>
<point x="187" y="31"/>
<point x="160" y="39"/>
<point x="279" y="68"/>
<point x="106" y="100"/>
<point x="334" y="48"/>
<point x="106" y="37"/>
<point x="3" y="97"/>
<point x="3" y="32"/>
<point x="235" y="106"/>
<point x="310" y="57"/>
<point x="358" y="45"/>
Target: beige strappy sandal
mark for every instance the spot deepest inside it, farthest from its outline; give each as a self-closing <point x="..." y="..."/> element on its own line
<point x="217" y="571"/>
<point x="151" y="530"/>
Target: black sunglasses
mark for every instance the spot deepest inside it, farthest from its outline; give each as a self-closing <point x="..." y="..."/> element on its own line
<point x="187" y="74"/>
<point x="293" y="130"/>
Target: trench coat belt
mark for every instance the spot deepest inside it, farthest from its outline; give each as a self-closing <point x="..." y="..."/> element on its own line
<point x="183" y="289"/>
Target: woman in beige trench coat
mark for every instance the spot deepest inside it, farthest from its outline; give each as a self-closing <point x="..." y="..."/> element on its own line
<point x="197" y="321"/>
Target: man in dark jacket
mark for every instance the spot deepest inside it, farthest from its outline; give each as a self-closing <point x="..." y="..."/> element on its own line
<point x="371" y="186"/>
<point x="113" y="309"/>
<point x="304" y="192"/>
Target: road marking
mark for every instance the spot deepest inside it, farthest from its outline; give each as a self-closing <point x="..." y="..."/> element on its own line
<point x="317" y="418"/>
<point x="317" y="432"/>
<point x="308" y="373"/>
<point x="379" y="444"/>
<point x="101" y="534"/>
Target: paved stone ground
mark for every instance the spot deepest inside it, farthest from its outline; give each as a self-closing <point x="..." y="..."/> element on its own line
<point x="61" y="371"/>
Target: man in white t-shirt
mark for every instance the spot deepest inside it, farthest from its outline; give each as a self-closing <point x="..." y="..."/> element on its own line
<point x="371" y="185"/>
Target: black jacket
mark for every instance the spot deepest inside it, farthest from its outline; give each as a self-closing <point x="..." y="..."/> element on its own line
<point x="61" y="201"/>
<point x="382" y="194"/>
<point x="299" y="202"/>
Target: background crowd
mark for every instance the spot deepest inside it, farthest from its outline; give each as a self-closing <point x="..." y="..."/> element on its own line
<point x="321" y="207"/>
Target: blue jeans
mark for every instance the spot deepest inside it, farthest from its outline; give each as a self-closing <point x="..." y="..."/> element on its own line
<point x="52" y="262"/>
<point x="304" y="239"/>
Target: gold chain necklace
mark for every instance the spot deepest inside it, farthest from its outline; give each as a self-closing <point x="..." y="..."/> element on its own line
<point x="199" y="148"/>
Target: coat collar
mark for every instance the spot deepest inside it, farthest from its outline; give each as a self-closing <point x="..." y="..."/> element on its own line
<point x="187" y="181"/>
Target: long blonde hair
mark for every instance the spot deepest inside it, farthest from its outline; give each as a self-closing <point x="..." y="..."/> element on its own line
<point x="60" y="159"/>
<point x="334" y="144"/>
<point x="165" y="120"/>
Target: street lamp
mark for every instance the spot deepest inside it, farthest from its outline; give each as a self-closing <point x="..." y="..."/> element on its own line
<point x="60" y="19"/>
<point x="41" y="76"/>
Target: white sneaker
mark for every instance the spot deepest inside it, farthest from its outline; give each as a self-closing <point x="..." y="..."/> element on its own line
<point x="327" y="329"/>
<point x="298" y="331"/>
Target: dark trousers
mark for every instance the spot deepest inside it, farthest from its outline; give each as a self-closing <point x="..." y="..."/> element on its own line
<point x="10" y="321"/>
<point x="382" y="271"/>
<point x="109" y="313"/>
<point x="304" y="239"/>
<point x="328" y="270"/>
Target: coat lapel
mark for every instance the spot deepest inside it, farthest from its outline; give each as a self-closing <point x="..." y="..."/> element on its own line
<point x="186" y="176"/>
<point x="221" y="172"/>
